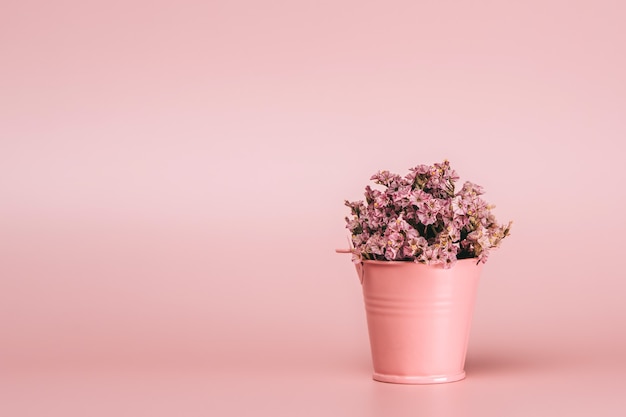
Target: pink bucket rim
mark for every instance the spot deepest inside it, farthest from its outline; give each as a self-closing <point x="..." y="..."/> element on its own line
<point x="398" y="263"/>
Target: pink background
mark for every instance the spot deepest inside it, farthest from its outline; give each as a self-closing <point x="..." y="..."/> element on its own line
<point x="172" y="177"/>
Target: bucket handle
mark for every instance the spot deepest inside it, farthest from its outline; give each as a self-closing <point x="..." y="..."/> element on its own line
<point x="359" y="266"/>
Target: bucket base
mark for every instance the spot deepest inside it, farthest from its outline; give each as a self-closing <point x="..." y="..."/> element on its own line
<point x="406" y="379"/>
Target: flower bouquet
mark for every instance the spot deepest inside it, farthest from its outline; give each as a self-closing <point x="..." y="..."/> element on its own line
<point x="421" y="217"/>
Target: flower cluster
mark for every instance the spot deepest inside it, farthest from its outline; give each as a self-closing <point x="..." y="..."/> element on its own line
<point x="422" y="218"/>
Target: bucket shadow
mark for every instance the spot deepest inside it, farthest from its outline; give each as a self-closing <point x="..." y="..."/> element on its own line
<point x="512" y="362"/>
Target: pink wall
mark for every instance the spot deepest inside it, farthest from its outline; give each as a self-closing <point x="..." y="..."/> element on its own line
<point x="172" y="174"/>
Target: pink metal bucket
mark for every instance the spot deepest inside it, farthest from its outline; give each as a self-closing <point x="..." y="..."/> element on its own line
<point x="419" y="319"/>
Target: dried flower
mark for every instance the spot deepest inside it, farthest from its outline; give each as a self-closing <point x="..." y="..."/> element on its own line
<point x="421" y="218"/>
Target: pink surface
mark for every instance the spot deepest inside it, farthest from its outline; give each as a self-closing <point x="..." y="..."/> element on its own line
<point x="172" y="177"/>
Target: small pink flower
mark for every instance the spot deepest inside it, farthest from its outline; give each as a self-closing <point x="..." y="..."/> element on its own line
<point x="408" y="251"/>
<point x="450" y="250"/>
<point x="386" y="178"/>
<point x="415" y="245"/>
<point x="381" y="177"/>
<point x="371" y="194"/>
<point x="375" y="245"/>
<point x="352" y="224"/>
<point x="402" y="195"/>
<point x="438" y="254"/>
<point x="428" y="256"/>
<point x="357" y="207"/>
<point x="459" y="207"/>
<point x="420" y="169"/>
<point x="484" y="254"/>
<point x="418" y="197"/>
<point x="453" y="232"/>
<point x="391" y="253"/>
<point x="449" y="262"/>
<point x="410" y="232"/>
<point x="359" y="240"/>
<point x="426" y="216"/>
<point x="399" y="225"/>
<point x="395" y="240"/>
<point x="434" y="205"/>
<point x="470" y="188"/>
<point x="482" y="238"/>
